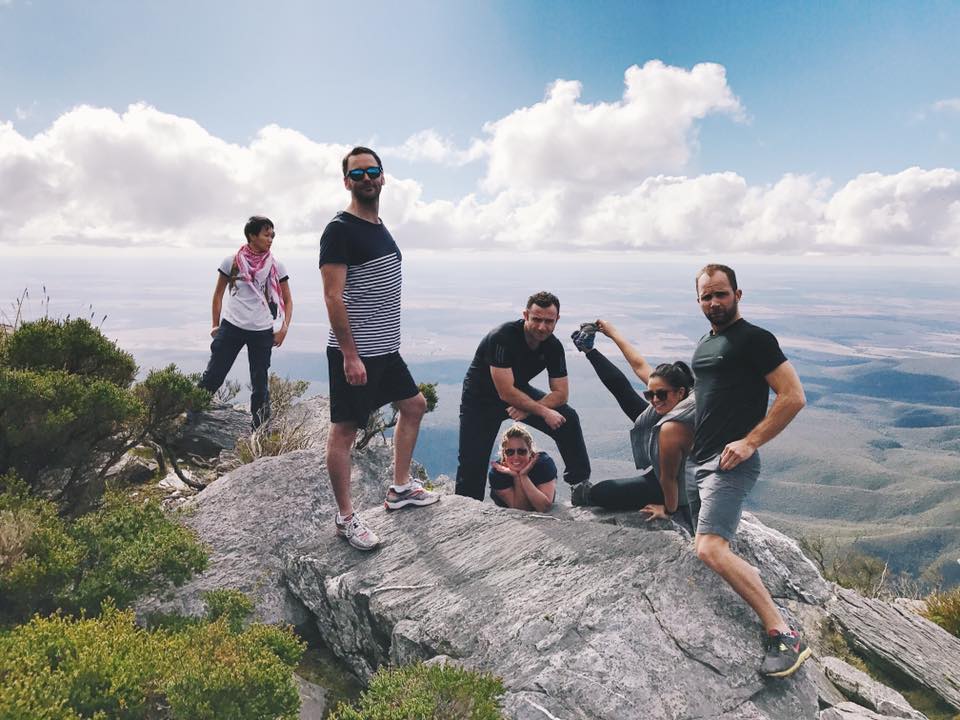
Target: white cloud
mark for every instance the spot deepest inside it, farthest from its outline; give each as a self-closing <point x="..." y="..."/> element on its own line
<point x="429" y="146"/>
<point x="562" y="142"/>
<point x="952" y="104"/>
<point x="559" y="174"/>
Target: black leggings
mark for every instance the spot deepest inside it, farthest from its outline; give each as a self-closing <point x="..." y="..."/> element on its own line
<point x="623" y="493"/>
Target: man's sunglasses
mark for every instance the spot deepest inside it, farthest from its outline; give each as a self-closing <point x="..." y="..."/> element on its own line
<point x="510" y="452"/>
<point x="372" y="172"/>
<point x="658" y="394"/>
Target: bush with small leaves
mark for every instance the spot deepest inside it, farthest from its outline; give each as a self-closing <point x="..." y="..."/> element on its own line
<point x="421" y="692"/>
<point x="122" y="550"/>
<point x="231" y="605"/>
<point x="59" y="668"/>
<point x="54" y="419"/>
<point x="72" y="346"/>
<point x="38" y="556"/>
<point x="130" y="549"/>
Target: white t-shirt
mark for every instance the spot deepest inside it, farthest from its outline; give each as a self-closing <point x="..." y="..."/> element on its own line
<point x="247" y="307"/>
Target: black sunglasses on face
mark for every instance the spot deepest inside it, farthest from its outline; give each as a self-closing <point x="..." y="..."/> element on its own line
<point x="371" y="172"/>
<point x="510" y="452"/>
<point x="658" y="394"/>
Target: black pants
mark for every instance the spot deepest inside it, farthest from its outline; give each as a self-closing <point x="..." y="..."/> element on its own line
<point x="223" y="352"/>
<point x="635" y="492"/>
<point x="479" y="424"/>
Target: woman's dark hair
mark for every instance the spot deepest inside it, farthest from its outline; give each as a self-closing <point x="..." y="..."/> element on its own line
<point x="677" y="374"/>
<point x="255" y="225"/>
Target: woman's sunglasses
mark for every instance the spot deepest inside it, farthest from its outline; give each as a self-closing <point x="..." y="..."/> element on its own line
<point x="372" y="172"/>
<point x="510" y="452"/>
<point x="660" y="395"/>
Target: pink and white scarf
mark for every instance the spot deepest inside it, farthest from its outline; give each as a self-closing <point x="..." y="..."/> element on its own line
<point x="252" y="266"/>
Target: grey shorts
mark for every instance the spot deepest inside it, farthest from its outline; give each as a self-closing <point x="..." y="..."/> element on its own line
<point x="722" y="493"/>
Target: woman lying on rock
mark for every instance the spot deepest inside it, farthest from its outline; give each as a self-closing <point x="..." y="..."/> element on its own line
<point x="521" y="478"/>
<point x="661" y="437"/>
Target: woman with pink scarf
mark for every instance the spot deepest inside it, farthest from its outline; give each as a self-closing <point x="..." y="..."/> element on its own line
<point x="256" y="314"/>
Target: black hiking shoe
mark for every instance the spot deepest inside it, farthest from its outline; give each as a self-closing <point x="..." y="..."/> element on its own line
<point x="584" y="337"/>
<point x="580" y="495"/>
<point x="785" y="653"/>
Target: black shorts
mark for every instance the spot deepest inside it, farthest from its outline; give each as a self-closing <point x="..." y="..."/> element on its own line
<point x="388" y="380"/>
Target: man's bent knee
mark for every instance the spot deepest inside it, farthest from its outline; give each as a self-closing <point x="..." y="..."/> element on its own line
<point x="711" y="549"/>
<point x="414" y="407"/>
<point x="342" y="434"/>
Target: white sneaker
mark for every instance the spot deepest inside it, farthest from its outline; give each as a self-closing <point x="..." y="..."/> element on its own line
<point x="355" y="532"/>
<point x="415" y="494"/>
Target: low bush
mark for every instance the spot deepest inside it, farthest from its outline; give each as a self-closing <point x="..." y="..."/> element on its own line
<point x="421" y="692"/>
<point x="943" y="608"/>
<point x="286" y="430"/>
<point x="59" y="668"/>
<point x="69" y="409"/>
<point x="72" y="346"/>
<point x="378" y="423"/>
<point x="121" y="551"/>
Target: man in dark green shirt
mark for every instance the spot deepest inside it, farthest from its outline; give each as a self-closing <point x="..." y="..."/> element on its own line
<point x="736" y="365"/>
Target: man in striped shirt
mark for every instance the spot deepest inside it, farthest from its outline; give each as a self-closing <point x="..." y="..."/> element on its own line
<point x="360" y="267"/>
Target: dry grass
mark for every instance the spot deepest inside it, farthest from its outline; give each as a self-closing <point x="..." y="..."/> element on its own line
<point x="285" y="431"/>
<point x="15" y="533"/>
<point x="943" y="608"/>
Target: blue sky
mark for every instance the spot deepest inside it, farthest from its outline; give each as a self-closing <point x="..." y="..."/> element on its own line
<point x="826" y="91"/>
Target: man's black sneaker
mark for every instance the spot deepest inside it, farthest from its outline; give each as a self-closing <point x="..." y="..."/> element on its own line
<point x="785" y="653"/>
<point x="580" y="495"/>
<point x="584" y="337"/>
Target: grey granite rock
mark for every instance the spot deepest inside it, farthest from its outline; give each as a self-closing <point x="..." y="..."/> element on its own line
<point x="584" y="614"/>
<point x="250" y="514"/>
<point x="899" y="639"/>
<point x="580" y="619"/>
<point x="313" y="699"/>
<point x="864" y="690"/>
<point x="852" y="711"/>
<point x="210" y="432"/>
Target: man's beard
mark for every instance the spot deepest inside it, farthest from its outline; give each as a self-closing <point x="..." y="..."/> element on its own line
<point x="722" y="317"/>
<point x="362" y="198"/>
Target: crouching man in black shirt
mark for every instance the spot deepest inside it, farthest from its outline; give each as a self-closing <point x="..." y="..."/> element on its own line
<point x="497" y="387"/>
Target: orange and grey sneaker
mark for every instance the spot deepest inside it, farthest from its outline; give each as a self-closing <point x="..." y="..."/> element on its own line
<point x="414" y="494"/>
<point x="356" y="532"/>
<point x="785" y="654"/>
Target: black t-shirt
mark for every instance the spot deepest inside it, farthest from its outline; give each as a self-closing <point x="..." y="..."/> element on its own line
<point x="732" y="393"/>
<point x="543" y="471"/>
<point x="506" y="347"/>
<point x="372" y="290"/>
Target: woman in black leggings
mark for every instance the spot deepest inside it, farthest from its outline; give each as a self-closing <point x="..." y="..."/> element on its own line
<point x="662" y="433"/>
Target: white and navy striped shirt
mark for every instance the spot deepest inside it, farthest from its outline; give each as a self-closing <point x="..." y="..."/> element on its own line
<point x="372" y="291"/>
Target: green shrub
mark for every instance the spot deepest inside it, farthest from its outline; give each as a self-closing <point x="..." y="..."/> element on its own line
<point x="231" y="605"/>
<point x="119" y="551"/>
<point x="68" y="406"/>
<point x="72" y="346"/>
<point x="59" y="668"/>
<point x="286" y="431"/>
<point x="130" y="549"/>
<point x="57" y="420"/>
<point x="419" y="692"/>
<point x="215" y="673"/>
<point x="943" y="608"/>
<point x="38" y="556"/>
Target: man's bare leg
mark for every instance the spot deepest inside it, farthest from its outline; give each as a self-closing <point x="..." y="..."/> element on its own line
<point x="339" y="446"/>
<point x="743" y="577"/>
<point x="412" y="411"/>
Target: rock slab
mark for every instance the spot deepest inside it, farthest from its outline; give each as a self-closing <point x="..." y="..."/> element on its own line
<point x="582" y="620"/>
<point x="861" y="688"/>
<point x="899" y="639"/>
